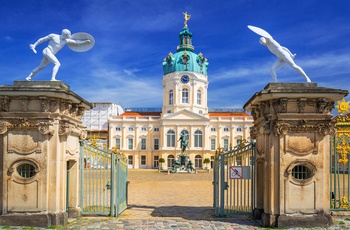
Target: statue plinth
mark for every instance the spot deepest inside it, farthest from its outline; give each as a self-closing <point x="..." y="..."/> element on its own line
<point x="40" y="127"/>
<point x="292" y="124"/>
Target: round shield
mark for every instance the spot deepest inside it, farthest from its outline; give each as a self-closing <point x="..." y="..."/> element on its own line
<point x="80" y="37"/>
<point x="260" y="31"/>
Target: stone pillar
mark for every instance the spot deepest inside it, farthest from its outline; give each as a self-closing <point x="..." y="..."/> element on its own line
<point x="292" y="124"/>
<point x="40" y="129"/>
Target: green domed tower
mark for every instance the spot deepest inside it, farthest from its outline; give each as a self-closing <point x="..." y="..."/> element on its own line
<point x="185" y="79"/>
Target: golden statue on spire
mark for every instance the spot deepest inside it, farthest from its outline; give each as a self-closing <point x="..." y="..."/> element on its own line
<point x="187" y="17"/>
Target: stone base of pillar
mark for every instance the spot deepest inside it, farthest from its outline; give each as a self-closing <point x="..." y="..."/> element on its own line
<point x="320" y="220"/>
<point x="257" y="213"/>
<point x="74" y="212"/>
<point x="35" y="220"/>
<point x="269" y="220"/>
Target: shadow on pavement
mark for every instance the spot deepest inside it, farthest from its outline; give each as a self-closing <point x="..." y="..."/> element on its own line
<point x="181" y="212"/>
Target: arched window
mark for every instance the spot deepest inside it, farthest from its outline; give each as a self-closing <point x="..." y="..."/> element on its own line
<point x="184" y="95"/>
<point x="171" y="97"/>
<point x="171" y="159"/>
<point x="170" y="138"/>
<point x="198" y="138"/>
<point x="198" y="161"/>
<point x="199" y="97"/>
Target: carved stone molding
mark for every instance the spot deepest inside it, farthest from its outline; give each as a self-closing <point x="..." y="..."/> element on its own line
<point x="254" y="132"/>
<point x="282" y="128"/>
<point x="324" y="105"/>
<point x="4" y="104"/>
<point x="326" y="129"/>
<point x="83" y="134"/>
<point x="25" y="103"/>
<point x="65" y="107"/>
<point x="45" y="128"/>
<point x="301" y="145"/>
<point x="63" y="129"/>
<point x="280" y="105"/>
<point x="303" y="126"/>
<point x="3" y="127"/>
<point x="45" y="104"/>
<point x="69" y="129"/>
<point x="301" y="105"/>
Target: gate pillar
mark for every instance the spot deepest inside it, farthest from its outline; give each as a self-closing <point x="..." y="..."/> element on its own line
<point x="292" y="124"/>
<point x="40" y="129"/>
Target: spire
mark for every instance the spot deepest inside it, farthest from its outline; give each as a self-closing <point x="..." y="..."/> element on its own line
<point x="185" y="36"/>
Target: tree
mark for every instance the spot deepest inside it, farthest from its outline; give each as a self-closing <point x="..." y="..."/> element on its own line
<point x="161" y="161"/>
<point x="206" y="161"/>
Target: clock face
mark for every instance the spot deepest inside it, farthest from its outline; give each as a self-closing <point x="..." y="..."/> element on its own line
<point x="185" y="79"/>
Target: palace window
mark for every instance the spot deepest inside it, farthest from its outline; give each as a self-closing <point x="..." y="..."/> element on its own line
<point x="213" y="129"/>
<point x="130" y="143"/>
<point x="171" y="97"/>
<point x="198" y="161"/>
<point x="155" y="161"/>
<point x="143" y="144"/>
<point x="225" y="144"/>
<point x="199" y="97"/>
<point x="239" y="129"/>
<point x="143" y="160"/>
<point x="131" y="129"/>
<point x="171" y="159"/>
<point x="117" y="128"/>
<point x="156" y="144"/>
<point x="156" y="129"/>
<point x="185" y="96"/>
<point x="143" y="129"/>
<point x="212" y="144"/>
<point x="170" y="138"/>
<point x="226" y="129"/>
<point x="130" y="160"/>
<point x="198" y="138"/>
<point x="117" y="143"/>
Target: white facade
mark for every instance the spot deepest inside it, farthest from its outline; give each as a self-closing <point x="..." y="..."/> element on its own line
<point x="146" y="137"/>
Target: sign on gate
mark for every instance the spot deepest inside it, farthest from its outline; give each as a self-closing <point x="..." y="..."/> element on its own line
<point x="240" y="172"/>
<point x="236" y="172"/>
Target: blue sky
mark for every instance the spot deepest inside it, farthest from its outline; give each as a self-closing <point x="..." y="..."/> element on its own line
<point x="133" y="37"/>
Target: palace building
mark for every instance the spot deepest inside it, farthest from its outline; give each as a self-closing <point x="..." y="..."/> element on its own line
<point x="146" y="136"/>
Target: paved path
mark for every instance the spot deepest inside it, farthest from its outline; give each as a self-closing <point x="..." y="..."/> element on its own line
<point x="174" y="201"/>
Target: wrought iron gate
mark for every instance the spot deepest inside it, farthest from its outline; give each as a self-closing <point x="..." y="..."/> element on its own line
<point x="103" y="176"/>
<point x="339" y="160"/>
<point x="234" y="183"/>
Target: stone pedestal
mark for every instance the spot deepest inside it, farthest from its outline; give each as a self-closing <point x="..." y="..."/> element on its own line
<point x="292" y="124"/>
<point x="40" y="129"/>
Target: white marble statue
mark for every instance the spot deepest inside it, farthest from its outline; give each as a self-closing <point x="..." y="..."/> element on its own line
<point x="56" y="43"/>
<point x="283" y="54"/>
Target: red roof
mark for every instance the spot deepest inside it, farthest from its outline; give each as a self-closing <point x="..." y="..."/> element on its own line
<point x="228" y="114"/>
<point x="140" y="114"/>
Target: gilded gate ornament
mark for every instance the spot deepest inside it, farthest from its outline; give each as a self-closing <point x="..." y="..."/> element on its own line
<point x="343" y="131"/>
<point x="343" y="106"/>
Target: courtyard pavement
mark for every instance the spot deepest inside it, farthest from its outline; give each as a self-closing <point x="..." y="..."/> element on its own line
<point x="170" y="201"/>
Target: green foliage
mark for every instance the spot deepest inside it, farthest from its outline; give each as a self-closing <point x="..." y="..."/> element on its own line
<point x="206" y="161"/>
<point x="161" y="160"/>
